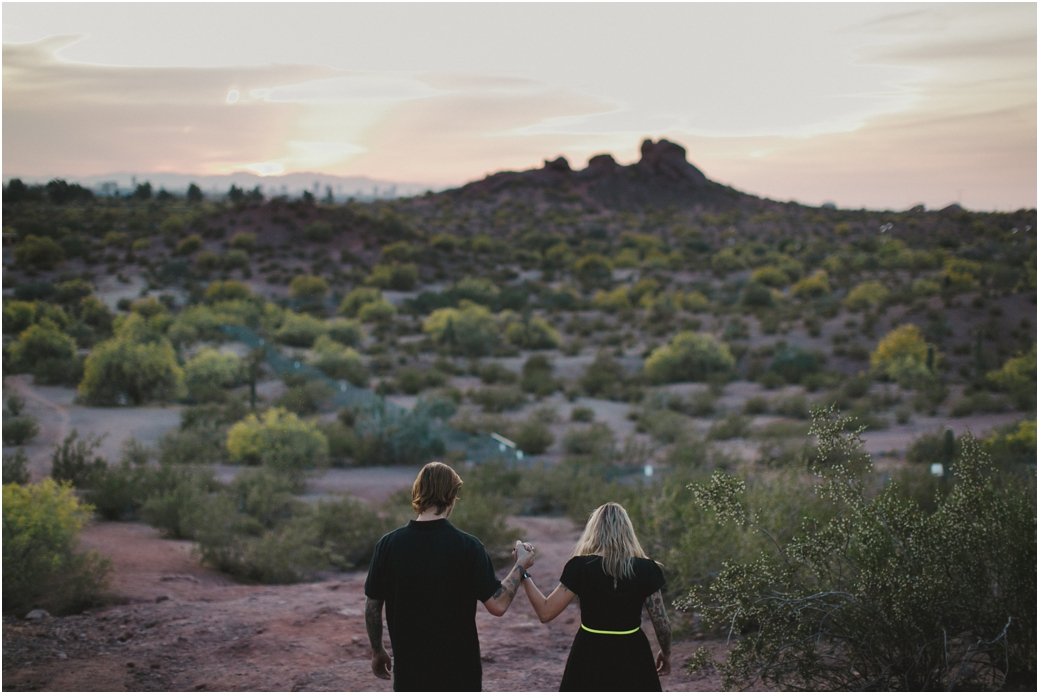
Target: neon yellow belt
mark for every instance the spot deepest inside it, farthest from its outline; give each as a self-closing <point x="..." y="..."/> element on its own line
<point x="613" y="633"/>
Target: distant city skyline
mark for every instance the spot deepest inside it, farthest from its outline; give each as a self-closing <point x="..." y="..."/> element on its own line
<point x="863" y="105"/>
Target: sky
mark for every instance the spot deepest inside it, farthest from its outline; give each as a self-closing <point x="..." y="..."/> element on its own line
<point x="881" y="105"/>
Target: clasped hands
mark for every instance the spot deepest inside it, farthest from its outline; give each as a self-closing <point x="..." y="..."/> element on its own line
<point x="523" y="554"/>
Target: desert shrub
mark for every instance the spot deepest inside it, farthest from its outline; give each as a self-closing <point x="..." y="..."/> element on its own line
<point x="498" y="398"/>
<point x="663" y="425"/>
<point x="725" y="261"/>
<point x="400" y="277"/>
<point x="20" y="430"/>
<point x="344" y="531"/>
<point x="979" y="401"/>
<point x="869" y="598"/>
<point x="493" y="372"/>
<point x="903" y="356"/>
<point x="352" y="303"/>
<point x="469" y="330"/>
<point x="866" y="295"/>
<point x="535" y="333"/>
<point x="795" y="406"/>
<point x="339" y="362"/>
<point x="207" y="261"/>
<point x="533" y="436"/>
<point x="483" y="516"/>
<point x="278" y="439"/>
<point x="755" y="405"/>
<point x="731" y="426"/>
<point x="605" y="377"/>
<point x="189" y="245"/>
<point x="596" y="440"/>
<point x="73" y="460"/>
<point x="309" y="287"/>
<point x="210" y="373"/>
<point x="45" y="351"/>
<point x="381" y="311"/>
<point x="346" y="332"/>
<point x="537" y="376"/>
<point x="479" y="290"/>
<point x="318" y="232"/>
<point x="136" y="366"/>
<point x="689" y="357"/>
<point x="342" y="441"/>
<point x="226" y="290"/>
<point x="117" y="492"/>
<point x="18" y="315"/>
<point x="244" y="241"/>
<point x="938" y="446"/>
<point x="770" y="276"/>
<point x="444" y="242"/>
<point x="41" y="567"/>
<point x="1017" y="378"/>
<point x="303" y="397"/>
<point x="395" y="437"/>
<point x="582" y="414"/>
<point x="793" y="364"/>
<point x="756" y="295"/>
<point x="38" y="252"/>
<point x="411" y="381"/>
<point x="1013" y="447"/>
<point x="173" y="497"/>
<point x="300" y="329"/>
<point x="593" y="271"/>
<point x="202" y="433"/>
<point x="16" y="467"/>
<point x="612" y="301"/>
<point x="814" y="286"/>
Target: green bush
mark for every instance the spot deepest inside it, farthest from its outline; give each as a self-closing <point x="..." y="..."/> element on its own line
<point x="903" y="356"/>
<point x="42" y="568"/>
<point x="593" y="271"/>
<point x="304" y="397"/>
<point x="596" y="440"/>
<point x="318" y="232"/>
<point x="483" y="516"/>
<point x="755" y="405"/>
<point x="689" y="357"/>
<point x="392" y="437"/>
<point x="412" y="381"/>
<point x="352" y="303"/>
<point x="244" y="241"/>
<point x="300" y="329"/>
<point x="1017" y="378"/>
<point x="535" y="333"/>
<point x="866" y="295"/>
<point x="793" y="364"/>
<point x="174" y="498"/>
<point x="381" y="311"/>
<point x="135" y="367"/>
<point x="345" y="531"/>
<point x="20" y="430"/>
<point x="469" y="330"/>
<point x="533" y="436"/>
<point x="38" y="252"/>
<point x="731" y="426"/>
<point x="938" y="446"/>
<point x="45" y="351"/>
<point x="493" y="372"/>
<point x="346" y="332"/>
<point x="188" y="245"/>
<point x="400" y="277"/>
<point x="74" y="461"/>
<point x="278" y="439"/>
<point x="582" y="414"/>
<point x="537" y="376"/>
<point x="339" y="362"/>
<point x="871" y="598"/>
<point x="18" y="315"/>
<point x="605" y="377"/>
<point x="815" y="286"/>
<point x="210" y="373"/>
<point x="1013" y="447"/>
<point x="498" y="398"/>
<point x="309" y="287"/>
<point x="16" y="467"/>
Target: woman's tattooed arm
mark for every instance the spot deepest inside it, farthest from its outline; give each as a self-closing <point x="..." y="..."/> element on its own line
<point x="661" y="625"/>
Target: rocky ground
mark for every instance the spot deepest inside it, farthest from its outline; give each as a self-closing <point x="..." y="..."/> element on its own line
<point x="174" y="625"/>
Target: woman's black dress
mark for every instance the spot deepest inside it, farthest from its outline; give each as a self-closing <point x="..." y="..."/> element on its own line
<point x="610" y="662"/>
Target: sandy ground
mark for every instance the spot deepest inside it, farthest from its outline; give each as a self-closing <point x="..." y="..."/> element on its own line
<point x="178" y="626"/>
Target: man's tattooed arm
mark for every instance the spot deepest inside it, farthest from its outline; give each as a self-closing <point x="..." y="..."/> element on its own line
<point x="661" y="625"/>
<point x="502" y="598"/>
<point x="373" y="623"/>
<point x="382" y="664"/>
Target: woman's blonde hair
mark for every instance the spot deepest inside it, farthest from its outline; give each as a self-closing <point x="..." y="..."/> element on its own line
<point x="609" y="534"/>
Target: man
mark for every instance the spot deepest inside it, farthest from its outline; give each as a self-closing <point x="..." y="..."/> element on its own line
<point x="430" y="575"/>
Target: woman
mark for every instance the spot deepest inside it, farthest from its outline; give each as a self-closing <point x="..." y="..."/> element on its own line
<point x="613" y="578"/>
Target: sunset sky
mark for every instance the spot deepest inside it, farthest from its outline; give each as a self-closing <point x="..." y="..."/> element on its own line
<point x="878" y="105"/>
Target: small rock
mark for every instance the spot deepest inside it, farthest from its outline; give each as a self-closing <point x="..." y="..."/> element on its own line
<point x="260" y="630"/>
<point x="355" y="640"/>
<point x="155" y="666"/>
<point x="130" y="664"/>
<point x="38" y="614"/>
<point x="335" y="586"/>
<point x="161" y="598"/>
<point x="62" y="656"/>
<point x="126" y="636"/>
<point x="487" y="658"/>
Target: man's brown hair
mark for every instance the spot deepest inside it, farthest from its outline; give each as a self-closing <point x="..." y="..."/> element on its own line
<point x="435" y="487"/>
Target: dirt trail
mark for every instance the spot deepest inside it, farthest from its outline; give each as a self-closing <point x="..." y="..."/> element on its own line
<point x="179" y="626"/>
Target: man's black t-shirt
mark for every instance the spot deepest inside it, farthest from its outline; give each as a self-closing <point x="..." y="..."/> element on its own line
<point x="431" y="575"/>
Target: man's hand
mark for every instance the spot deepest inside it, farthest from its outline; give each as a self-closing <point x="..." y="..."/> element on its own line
<point x="663" y="664"/>
<point x="381" y="664"/>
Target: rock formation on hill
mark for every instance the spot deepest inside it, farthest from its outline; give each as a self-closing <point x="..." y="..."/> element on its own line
<point x="662" y="177"/>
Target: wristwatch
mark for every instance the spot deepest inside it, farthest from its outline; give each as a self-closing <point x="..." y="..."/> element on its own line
<point x="524" y="575"/>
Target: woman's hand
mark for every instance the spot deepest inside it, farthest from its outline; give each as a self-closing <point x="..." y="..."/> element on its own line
<point x="523" y="554"/>
<point x="663" y="663"/>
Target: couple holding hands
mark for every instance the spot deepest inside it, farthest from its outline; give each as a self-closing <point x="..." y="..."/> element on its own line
<point x="429" y="576"/>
